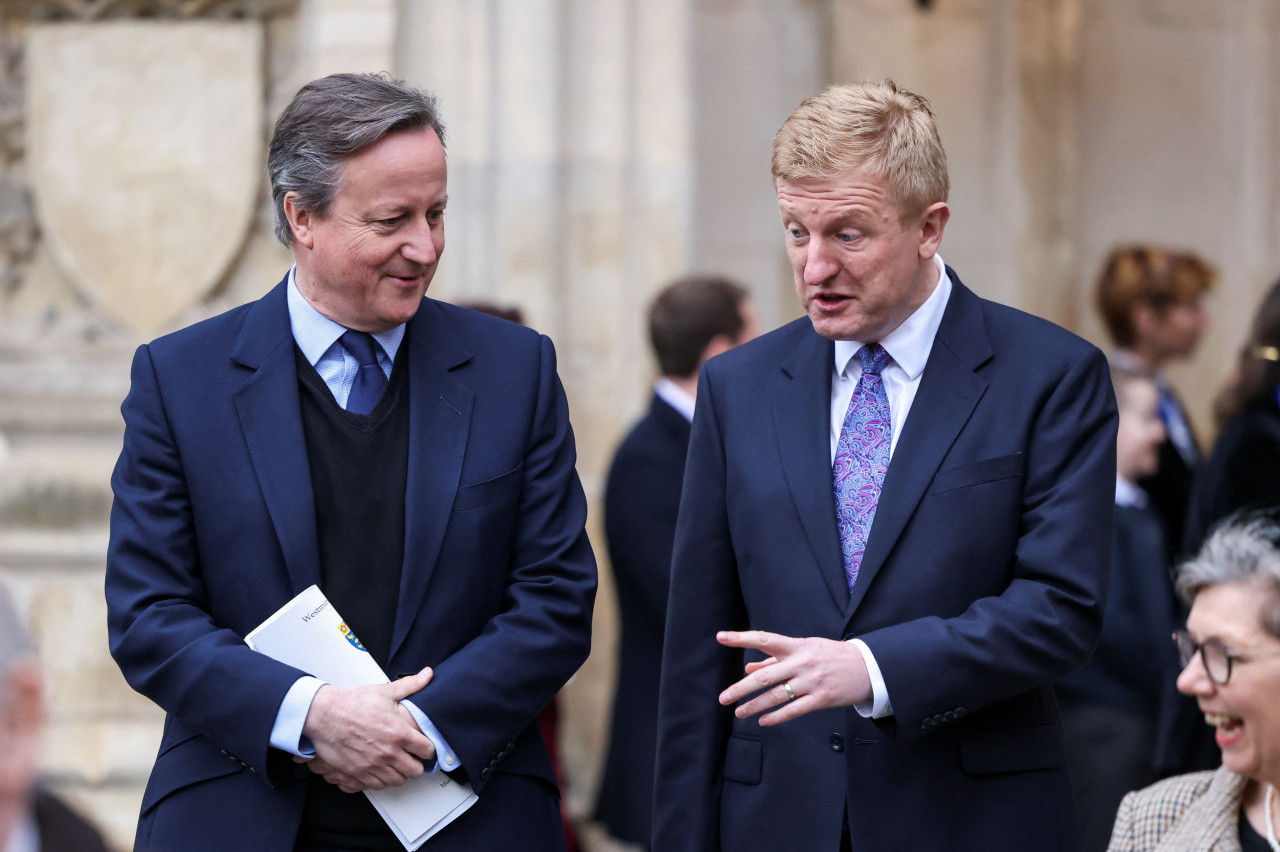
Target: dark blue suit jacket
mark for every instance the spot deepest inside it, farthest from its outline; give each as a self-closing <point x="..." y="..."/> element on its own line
<point x="983" y="580"/>
<point x="213" y="529"/>
<point x="642" y="500"/>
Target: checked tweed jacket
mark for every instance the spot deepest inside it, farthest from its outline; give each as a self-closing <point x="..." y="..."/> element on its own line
<point x="1198" y="812"/>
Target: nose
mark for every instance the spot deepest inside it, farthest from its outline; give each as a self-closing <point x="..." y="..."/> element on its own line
<point x="420" y="244"/>
<point x="819" y="263"/>
<point x="1194" y="680"/>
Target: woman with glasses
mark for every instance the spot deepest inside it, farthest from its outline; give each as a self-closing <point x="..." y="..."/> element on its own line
<point x="1230" y="654"/>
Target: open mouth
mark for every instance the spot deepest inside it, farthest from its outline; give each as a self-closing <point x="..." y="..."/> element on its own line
<point x="1229" y="728"/>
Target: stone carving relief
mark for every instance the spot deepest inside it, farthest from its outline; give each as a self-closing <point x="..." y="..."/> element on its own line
<point x="144" y="151"/>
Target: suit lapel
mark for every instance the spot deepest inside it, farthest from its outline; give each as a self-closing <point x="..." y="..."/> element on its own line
<point x="271" y="419"/>
<point x="802" y="422"/>
<point x="949" y="391"/>
<point x="439" y="422"/>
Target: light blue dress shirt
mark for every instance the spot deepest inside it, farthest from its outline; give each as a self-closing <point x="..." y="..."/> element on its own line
<point x="317" y="337"/>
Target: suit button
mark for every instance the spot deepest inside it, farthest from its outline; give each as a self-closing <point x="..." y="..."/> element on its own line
<point x="837" y="742"/>
<point x="485" y="773"/>
<point x="960" y="711"/>
<point x="948" y="716"/>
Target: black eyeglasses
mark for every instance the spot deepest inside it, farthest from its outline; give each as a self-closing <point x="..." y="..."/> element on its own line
<point x="1215" y="656"/>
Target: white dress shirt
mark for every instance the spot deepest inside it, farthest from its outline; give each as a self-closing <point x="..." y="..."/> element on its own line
<point x="908" y="346"/>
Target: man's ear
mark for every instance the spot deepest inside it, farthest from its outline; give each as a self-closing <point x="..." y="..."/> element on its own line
<point x="300" y="221"/>
<point x="719" y="343"/>
<point x="932" y="224"/>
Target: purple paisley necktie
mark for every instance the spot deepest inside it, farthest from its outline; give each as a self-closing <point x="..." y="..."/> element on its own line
<point x="862" y="457"/>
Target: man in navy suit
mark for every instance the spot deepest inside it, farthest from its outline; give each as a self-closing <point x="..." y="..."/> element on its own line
<point x="895" y="523"/>
<point x="690" y="321"/>
<point x="413" y="459"/>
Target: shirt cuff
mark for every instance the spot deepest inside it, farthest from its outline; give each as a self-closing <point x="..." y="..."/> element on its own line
<point x="286" y="733"/>
<point x="880" y="706"/>
<point x="445" y="756"/>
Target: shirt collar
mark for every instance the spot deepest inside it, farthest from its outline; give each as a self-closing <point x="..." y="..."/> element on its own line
<point x="315" y="333"/>
<point x="1129" y="494"/>
<point x="910" y="343"/>
<point x="675" y="396"/>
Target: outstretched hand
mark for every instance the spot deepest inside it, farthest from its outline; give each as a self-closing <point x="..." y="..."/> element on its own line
<point x="821" y="673"/>
<point x="364" y="739"/>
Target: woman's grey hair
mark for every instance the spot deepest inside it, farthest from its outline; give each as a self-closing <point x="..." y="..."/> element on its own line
<point x="330" y="120"/>
<point x="15" y="642"/>
<point x="1242" y="548"/>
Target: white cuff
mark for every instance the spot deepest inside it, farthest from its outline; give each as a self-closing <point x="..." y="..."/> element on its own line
<point x="880" y="706"/>
<point x="445" y="756"/>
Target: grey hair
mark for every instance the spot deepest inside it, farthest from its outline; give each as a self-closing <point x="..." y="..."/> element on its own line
<point x="330" y="120"/>
<point x="15" y="642"/>
<point x="1243" y="548"/>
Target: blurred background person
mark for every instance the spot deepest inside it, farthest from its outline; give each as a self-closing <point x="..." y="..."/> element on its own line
<point x="1152" y="302"/>
<point x="1116" y="710"/>
<point x="31" y="818"/>
<point x="690" y="321"/>
<point x="1243" y="470"/>
<point x="1231" y="664"/>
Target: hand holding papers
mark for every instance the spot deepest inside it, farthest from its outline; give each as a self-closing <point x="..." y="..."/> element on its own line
<point x="364" y="738"/>
<point x="308" y="634"/>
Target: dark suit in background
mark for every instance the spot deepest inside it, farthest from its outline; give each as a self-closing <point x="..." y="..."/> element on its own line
<point x="642" y="499"/>
<point x="690" y="320"/>
<point x="1243" y="471"/>
<point x="1170" y="486"/>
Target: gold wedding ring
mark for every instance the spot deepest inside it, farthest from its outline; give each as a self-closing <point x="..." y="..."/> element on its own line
<point x="791" y="696"/>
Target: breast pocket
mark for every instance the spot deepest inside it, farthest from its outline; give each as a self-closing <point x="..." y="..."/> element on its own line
<point x="978" y="473"/>
<point x="489" y="492"/>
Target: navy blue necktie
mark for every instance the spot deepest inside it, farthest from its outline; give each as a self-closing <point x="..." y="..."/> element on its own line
<point x="370" y="381"/>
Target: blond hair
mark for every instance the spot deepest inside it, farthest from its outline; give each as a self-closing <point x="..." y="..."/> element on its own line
<point x="878" y="126"/>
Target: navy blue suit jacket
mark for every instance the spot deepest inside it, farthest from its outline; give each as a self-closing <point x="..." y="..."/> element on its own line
<point x="642" y="500"/>
<point x="984" y="579"/>
<point x="213" y="529"/>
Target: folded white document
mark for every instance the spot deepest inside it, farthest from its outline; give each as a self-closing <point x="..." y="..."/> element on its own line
<point x="308" y="634"/>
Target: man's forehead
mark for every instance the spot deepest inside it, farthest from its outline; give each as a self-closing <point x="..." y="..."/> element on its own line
<point x="838" y="197"/>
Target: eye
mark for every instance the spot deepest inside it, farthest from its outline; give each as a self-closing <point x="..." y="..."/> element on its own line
<point x="795" y="232"/>
<point x="848" y="237"/>
<point x="391" y="222"/>
<point x="435" y="215"/>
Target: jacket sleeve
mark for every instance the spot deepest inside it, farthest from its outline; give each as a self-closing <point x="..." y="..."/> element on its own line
<point x="158" y="615"/>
